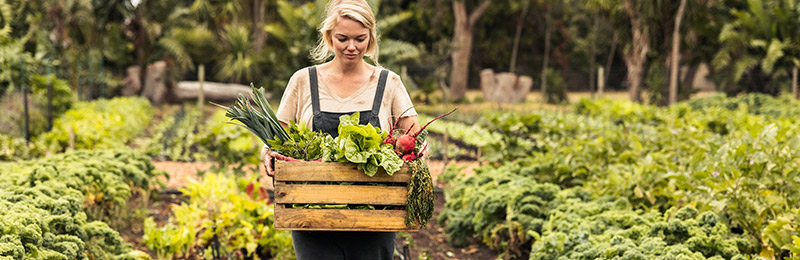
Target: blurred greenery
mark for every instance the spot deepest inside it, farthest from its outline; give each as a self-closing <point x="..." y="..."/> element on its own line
<point x="749" y="45"/>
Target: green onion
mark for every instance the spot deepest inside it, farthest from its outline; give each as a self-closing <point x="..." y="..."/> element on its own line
<point x="255" y="114"/>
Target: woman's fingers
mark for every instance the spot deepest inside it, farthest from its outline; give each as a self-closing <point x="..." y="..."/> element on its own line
<point x="268" y="165"/>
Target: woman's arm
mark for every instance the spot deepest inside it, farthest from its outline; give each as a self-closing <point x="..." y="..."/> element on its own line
<point x="409" y="122"/>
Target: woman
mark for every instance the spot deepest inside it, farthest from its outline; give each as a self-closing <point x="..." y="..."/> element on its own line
<point x="318" y="95"/>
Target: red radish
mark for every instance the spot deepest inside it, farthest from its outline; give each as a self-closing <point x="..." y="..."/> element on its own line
<point x="406" y="143"/>
<point x="390" y="139"/>
<point x="409" y="157"/>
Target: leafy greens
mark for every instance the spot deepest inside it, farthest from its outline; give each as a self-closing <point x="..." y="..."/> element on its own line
<point x="362" y="145"/>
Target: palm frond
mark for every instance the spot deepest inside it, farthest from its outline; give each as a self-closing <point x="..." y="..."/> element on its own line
<point x="721" y="59"/>
<point x="774" y="53"/>
<point x="398" y="51"/>
<point x="743" y="65"/>
<point x="387" y="23"/>
<point x="278" y="31"/>
<point x="177" y="50"/>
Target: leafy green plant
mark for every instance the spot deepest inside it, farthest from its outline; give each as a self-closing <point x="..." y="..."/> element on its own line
<point x="15" y="148"/>
<point x="782" y="233"/>
<point x="225" y="216"/>
<point x="51" y="208"/>
<point x="100" y="124"/>
<point x="362" y="145"/>
<point x="607" y="229"/>
<point x="736" y="158"/>
<point x="303" y="143"/>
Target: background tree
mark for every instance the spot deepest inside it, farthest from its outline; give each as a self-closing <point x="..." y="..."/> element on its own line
<point x="675" y="61"/>
<point x="462" y="45"/>
<point x="759" y="46"/>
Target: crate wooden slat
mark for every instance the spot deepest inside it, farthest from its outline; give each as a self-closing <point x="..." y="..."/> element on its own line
<point x="340" y="219"/>
<point x="328" y="171"/>
<point x="335" y="194"/>
<point x="291" y="189"/>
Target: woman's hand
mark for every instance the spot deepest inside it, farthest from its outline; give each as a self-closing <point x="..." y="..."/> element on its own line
<point x="268" y="159"/>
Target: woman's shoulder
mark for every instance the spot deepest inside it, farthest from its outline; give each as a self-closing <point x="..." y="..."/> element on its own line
<point x="299" y="78"/>
<point x="393" y="80"/>
<point x="301" y="73"/>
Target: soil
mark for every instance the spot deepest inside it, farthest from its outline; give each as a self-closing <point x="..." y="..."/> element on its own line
<point x="428" y="243"/>
<point x="431" y="242"/>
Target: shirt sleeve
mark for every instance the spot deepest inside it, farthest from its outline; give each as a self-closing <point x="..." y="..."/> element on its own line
<point x="401" y="100"/>
<point x="288" y="109"/>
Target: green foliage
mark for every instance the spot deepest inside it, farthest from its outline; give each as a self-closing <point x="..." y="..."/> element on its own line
<point x="51" y="208"/>
<point x="15" y="148"/>
<point x="100" y="124"/>
<point x="183" y="135"/>
<point x="513" y="130"/>
<point x="231" y="214"/>
<point x="499" y="206"/>
<point x="556" y="88"/>
<point x="782" y="233"/>
<point x="226" y="143"/>
<point x="303" y="143"/>
<point x="758" y="46"/>
<point x="735" y="157"/>
<point x="175" y="135"/>
<point x="362" y="145"/>
<point x="12" y="122"/>
<point x="237" y="65"/>
<point x="607" y="229"/>
<point x="62" y="93"/>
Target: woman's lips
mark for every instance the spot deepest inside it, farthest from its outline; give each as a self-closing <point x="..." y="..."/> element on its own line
<point x="351" y="56"/>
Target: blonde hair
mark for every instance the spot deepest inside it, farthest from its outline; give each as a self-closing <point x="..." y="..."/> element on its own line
<point x="356" y="10"/>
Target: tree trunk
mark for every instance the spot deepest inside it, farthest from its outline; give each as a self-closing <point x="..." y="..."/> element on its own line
<point x="636" y="55"/>
<point x="610" y="59"/>
<point x="675" y="63"/>
<point x="593" y="53"/>
<point x="259" y="35"/>
<point x="462" y="46"/>
<point x="517" y="34"/>
<point x="546" y="58"/>
<point x="794" y="83"/>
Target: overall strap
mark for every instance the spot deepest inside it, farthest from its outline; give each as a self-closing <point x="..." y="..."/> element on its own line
<point x="376" y="104"/>
<point x="312" y="80"/>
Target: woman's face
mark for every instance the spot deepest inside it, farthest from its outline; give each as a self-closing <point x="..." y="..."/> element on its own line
<point x="350" y="40"/>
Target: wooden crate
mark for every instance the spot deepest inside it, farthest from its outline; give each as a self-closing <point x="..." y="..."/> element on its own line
<point x="287" y="218"/>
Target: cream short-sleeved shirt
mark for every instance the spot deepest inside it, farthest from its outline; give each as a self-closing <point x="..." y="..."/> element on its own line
<point x="296" y="101"/>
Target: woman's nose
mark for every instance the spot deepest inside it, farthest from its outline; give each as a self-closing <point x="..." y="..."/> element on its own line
<point x="351" y="45"/>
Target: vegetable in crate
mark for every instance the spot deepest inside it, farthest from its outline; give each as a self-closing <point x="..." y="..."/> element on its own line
<point x="303" y="143"/>
<point x="409" y="145"/>
<point x="419" y="202"/>
<point x="362" y="145"/>
<point x="258" y="118"/>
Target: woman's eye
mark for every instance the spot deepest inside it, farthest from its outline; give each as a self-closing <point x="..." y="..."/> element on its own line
<point x="361" y="39"/>
<point x="341" y="39"/>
